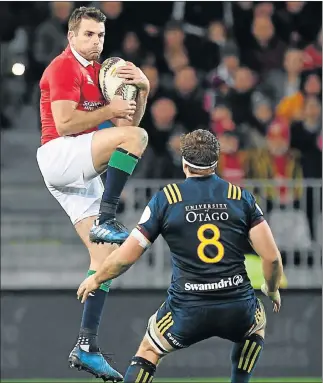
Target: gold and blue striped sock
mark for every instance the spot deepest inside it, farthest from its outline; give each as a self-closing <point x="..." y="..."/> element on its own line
<point x="244" y="357"/>
<point x="140" y="371"/>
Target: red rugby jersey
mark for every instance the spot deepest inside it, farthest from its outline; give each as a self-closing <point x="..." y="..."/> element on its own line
<point x="68" y="77"/>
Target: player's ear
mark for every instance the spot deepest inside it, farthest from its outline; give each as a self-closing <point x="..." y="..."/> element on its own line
<point x="70" y="36"/>
<point x="184" y="166"/>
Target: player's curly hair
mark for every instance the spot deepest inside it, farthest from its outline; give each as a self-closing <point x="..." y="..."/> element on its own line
<point x="200" y="148"/>
<point x="84" y="13"/>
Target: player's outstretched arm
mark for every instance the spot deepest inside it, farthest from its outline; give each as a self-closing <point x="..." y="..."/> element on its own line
<point x="129" y="252"/>
<point x="68" y="120"/>
<point x="264" y="244"/>
<point x="118" y="262"/>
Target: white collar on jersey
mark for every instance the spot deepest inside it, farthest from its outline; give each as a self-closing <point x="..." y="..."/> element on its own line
<point x="81" y="59"/>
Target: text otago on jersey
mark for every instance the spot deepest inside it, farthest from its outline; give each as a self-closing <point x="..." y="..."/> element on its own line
<point x="206" y="212"/>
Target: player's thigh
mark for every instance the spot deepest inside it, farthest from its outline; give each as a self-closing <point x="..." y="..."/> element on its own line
<point x="259" y="320"/>
<point x="67" y="161"/>
<point x="238" y="320"/>
<point x="79" y="200"/>
<point x="105" y="142"/>
<point x="261" y="333"/>
<point x="173" y="328"/>
<point x="98" y="252"/>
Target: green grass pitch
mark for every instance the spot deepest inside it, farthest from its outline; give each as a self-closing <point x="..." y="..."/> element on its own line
<point x="170" y="380"/>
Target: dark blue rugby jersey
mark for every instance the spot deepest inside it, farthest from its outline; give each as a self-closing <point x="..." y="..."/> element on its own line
<point x="205" y="222"/>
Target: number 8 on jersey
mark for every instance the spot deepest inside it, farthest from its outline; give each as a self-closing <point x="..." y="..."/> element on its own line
<point x="214" y="240"/>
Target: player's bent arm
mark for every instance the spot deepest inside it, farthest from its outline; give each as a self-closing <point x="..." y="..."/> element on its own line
<point x="141" y="101"/>
<point x="120" y="260"/>
<point x="141" y="106"/>
<point x="264" y="244"/>
<point x="68" y="120"/>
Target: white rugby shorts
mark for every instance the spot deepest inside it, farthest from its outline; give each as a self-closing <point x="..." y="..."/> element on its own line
<point x="67" y="167"/>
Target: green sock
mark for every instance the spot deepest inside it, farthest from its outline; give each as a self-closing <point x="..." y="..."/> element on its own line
<point x="92" y="312"/>
<point x="120" y="167"/>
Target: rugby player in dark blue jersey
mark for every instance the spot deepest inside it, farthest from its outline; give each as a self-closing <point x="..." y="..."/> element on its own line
<point x="208" y="224"/>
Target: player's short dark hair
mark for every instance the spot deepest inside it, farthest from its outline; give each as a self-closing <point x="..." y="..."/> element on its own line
<point x="84" y="13"/>
<point x="200" y="148"/>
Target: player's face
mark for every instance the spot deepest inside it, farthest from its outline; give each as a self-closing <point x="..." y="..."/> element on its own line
<point x="88" y="40"/>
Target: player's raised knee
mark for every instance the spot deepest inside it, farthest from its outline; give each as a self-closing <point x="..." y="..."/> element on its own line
<point x="136" y="140"/>
<point x="142" y="137"/>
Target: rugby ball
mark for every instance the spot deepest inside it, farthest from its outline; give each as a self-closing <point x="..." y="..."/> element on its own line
<point x="111" y="85"/>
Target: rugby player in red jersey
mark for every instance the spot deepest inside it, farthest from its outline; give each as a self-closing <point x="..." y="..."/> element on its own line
<point x="74" y="153"/>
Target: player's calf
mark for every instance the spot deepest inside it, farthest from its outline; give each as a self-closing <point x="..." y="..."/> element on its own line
<point x="244" y="357"/>
<point x="140" y="370"/>
<point x="246" y="353"/>
<point x="143" y="366"/>
<point x="121" y="165"/>
<point x="151" y="351"/>
<point x="86" y="354"/>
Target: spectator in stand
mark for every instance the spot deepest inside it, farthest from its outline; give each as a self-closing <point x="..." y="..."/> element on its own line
<point x="291" y="108"/>
<point x="189" y="99"/>
<point x="176" y="53"/>
<point x="217" y="33"/>
<point x="117" y="24"/>
<point x="202" y="13"/>
<point x="228" y="65"/>
<point x="239" y="98"/>
<point x="163" y="115"/>
<point x="313" y="54"/>
<point x="216" y="40"/>
<point x="133" y="51"/>
<point x="157" y="160"/>
<point x="267" y="50"/>
<point x="277" y="162"/>
<point x="306" y="136"/>
<point x="242" y="12"/>
<point x="263" y="116"/>
<point x="222" y="78"/>
<point x="285" y="82"/>
<point x="299" y="22"/>
<point x="150" y="18"/>
<point x="156" y="91"/>
<point x="232" y="161"/>
<point x="221" y="120"/>
<point x="263" y="8"/>
<point x="176" y="166"/>
<point x="51" y="35"/>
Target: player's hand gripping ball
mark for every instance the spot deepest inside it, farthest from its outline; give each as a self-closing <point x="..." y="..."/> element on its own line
<point x="120" y="78"/>
<point x="133" y="75"/>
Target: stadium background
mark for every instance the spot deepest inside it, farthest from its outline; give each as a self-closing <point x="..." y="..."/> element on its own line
<point x="248" y="71"/>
